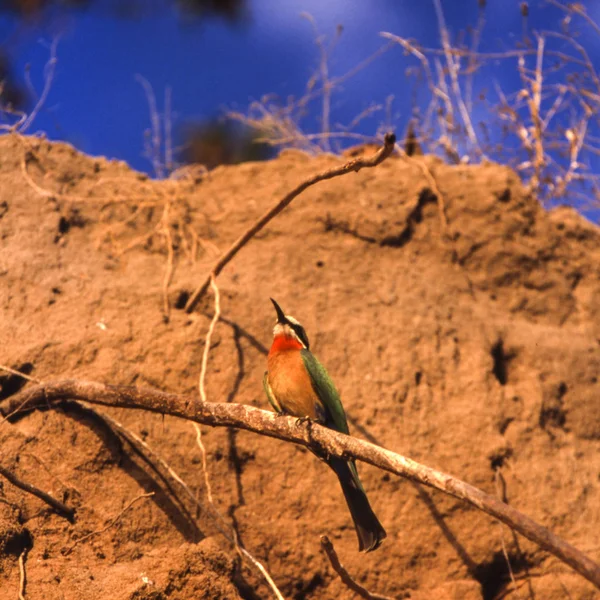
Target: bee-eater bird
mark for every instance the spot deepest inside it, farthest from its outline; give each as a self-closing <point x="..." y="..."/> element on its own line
<point x="297" y="384"/>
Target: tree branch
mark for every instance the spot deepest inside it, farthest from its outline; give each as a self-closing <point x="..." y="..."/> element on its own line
<point x="354" y="165"/>
<point x="319" y="439"/>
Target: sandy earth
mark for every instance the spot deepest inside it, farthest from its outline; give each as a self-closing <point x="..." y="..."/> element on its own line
<point x="475" y="350"/>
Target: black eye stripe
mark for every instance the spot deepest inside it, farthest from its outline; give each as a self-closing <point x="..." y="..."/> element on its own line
<point x="299" y="331"/>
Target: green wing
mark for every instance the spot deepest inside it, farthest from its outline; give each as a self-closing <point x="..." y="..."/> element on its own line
<point x="270" y="396"/>
<point x="325" y="390"/>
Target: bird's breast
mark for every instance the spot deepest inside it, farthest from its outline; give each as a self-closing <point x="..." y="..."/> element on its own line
<point x="291" y="384"/>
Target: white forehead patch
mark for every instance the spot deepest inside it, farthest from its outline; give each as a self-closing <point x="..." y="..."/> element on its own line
<point x="285" y="329"/>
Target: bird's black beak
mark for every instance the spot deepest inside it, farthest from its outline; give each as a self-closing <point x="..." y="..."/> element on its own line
<point x="280" y="314"/>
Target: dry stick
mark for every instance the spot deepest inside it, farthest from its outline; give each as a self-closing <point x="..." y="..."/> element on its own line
<point x="201" y="381"/>
<point x="353" y="165"/>
<point x="319" y="439"/>
<point x="344" y="575"/>
<point x="22" y="579"/>
<point x="19" y="374"/>
<point x="110" y="523"/>
<point x="57" y="505"/>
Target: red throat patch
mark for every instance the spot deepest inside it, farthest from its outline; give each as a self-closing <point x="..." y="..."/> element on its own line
<point x="281" y="343"/>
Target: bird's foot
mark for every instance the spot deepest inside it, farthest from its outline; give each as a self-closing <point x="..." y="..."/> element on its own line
<point x="302" y="420"/>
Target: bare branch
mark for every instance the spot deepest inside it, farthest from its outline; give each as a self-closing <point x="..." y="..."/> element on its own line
<point x="319" y="439"/>
<point x="353" y="165"/>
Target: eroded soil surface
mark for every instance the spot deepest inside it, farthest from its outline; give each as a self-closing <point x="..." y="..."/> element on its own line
<point x="475" y="350"/>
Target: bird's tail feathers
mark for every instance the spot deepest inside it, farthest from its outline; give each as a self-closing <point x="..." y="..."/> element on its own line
<point x="369" y="530"/>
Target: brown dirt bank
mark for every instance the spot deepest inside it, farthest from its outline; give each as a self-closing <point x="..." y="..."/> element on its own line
<point x="470" y="354"/>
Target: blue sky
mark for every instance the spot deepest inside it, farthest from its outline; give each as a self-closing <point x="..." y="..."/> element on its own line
<point x="97" y="104"/>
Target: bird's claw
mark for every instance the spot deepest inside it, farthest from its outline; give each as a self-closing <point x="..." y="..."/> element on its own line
<point x="302" y="420"/>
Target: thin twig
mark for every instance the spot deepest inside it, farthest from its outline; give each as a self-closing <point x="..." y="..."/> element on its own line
<point x="344" y="575"/>
<point x="48" y="79"/>
<point x="319" y="439"/>
<point x="154" y="149"/>
<point x="201" y="383"/>
<point x="262" y="569"/>
<point x="209" y="334"/>
<point x="434" y="188"/>
<point x="325" y="83"/>
<point x="498" y="482"/>
<point x="353" y="165"/>
<point x="453" y="63"/>
<point x="109" y="524"/>
<point x="57" y="505"/>
<point x="22" y="578"/>
<point x="19" y="374"/>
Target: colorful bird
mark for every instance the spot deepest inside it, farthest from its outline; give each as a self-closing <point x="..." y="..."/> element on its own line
<point x="297" y="384"/>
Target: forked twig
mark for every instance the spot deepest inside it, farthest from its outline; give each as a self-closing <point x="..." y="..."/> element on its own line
<point x="353" y="165"/>
<point x="322" y="441"/>
<point x="109" y="524"/>
<point x="61" y="508"/>
<point x="344" y="575"/>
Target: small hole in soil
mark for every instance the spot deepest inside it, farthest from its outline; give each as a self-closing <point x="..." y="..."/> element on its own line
<point x="320" y="263"/>
<point x="418" y="376"/>
<point x="63" y="226"/>
<point x="182" y="299"/>
<point x="504" y="196"/>
<point x="562" y="390"/>
<point x="494" y="576"/>
<point x="500" y="368"/>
